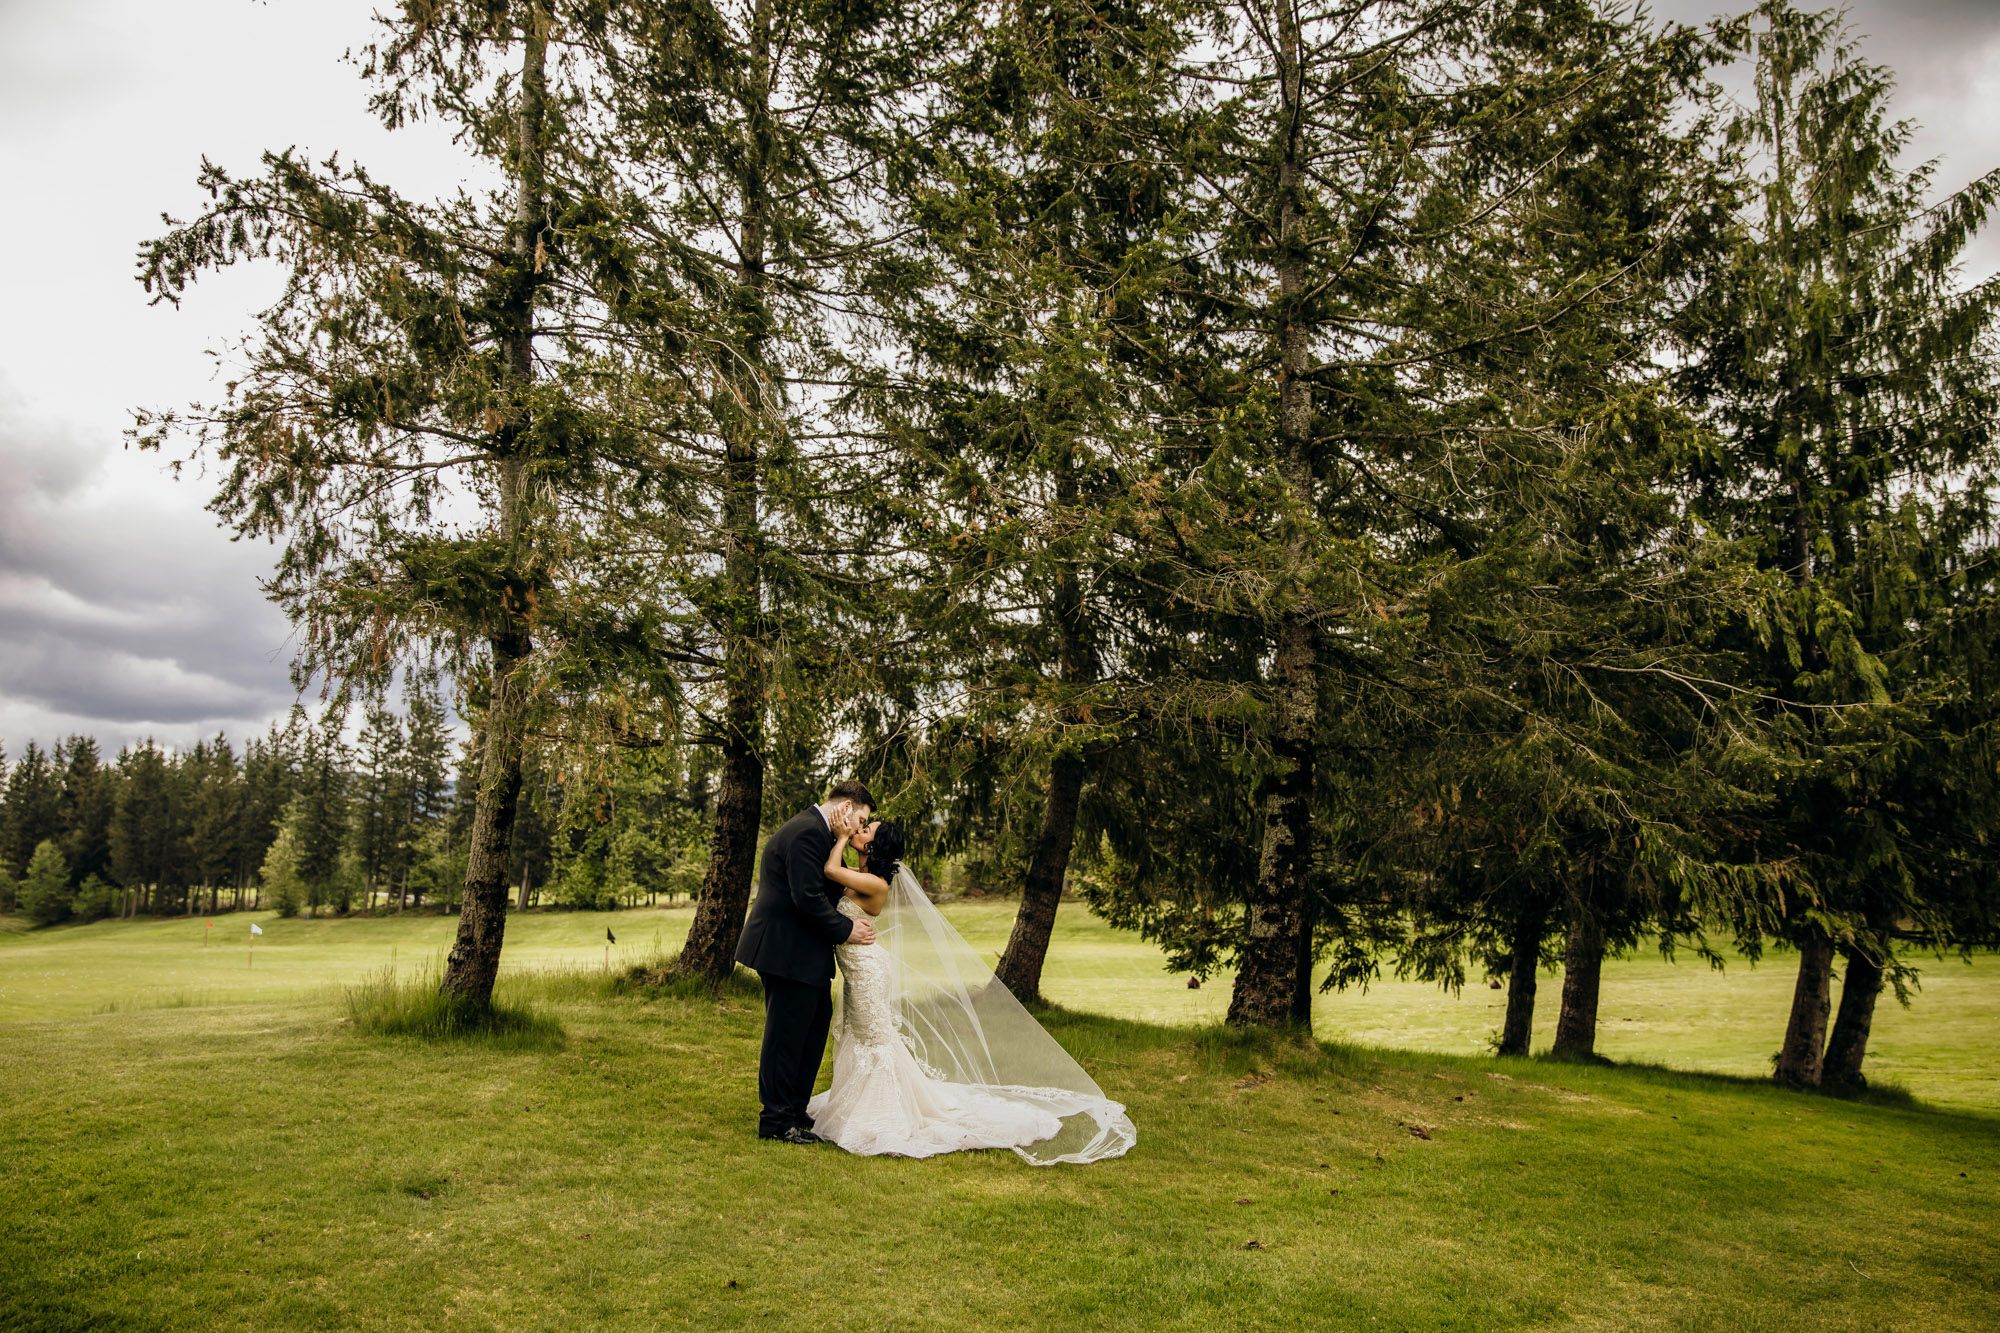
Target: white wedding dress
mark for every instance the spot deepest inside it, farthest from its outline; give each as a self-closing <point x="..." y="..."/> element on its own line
<point x="936" y="1056"/>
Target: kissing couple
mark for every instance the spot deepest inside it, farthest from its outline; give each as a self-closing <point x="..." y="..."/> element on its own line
<point x="934" y="1055"/>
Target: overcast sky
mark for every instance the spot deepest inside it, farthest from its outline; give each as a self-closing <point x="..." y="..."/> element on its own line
<point x="124" y="611"/>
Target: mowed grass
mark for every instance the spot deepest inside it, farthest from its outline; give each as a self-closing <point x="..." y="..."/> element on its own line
<point x="1944" y="1048"/>
<point x="228" y="1155"/>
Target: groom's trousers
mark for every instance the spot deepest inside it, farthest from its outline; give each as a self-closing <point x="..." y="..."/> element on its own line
<point x="796" y="1017"/>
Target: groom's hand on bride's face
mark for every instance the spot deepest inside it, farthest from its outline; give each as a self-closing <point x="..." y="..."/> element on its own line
<point x="863" y="933"/>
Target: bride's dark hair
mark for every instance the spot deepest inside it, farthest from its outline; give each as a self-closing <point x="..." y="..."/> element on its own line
<point x="885" y="850"/>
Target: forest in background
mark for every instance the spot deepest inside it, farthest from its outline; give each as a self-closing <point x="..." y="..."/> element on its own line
<point x="303" y="821"/>
<point x="1436" y="486"/>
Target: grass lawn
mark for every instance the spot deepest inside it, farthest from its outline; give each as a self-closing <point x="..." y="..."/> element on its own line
<point x="192" y="1143"/>
<point x="1944" y="1049"/>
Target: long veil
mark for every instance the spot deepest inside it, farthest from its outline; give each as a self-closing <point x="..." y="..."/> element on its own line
<point x="964" y="1026"/>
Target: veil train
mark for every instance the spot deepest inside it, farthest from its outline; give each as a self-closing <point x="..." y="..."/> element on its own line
<point x="963" y="1026"/>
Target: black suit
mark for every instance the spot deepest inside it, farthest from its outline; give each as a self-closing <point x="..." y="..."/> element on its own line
<point x="788" y="939"/>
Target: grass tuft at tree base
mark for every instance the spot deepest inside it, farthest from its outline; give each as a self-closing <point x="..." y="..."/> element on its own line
<point x="387" y="1005"/>
<point x="662" y="979"/>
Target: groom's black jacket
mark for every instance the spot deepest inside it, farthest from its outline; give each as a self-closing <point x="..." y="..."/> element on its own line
<point x="793" y="925"/>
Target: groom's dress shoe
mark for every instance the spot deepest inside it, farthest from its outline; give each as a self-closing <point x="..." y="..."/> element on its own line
<point x="796" y="1134"/>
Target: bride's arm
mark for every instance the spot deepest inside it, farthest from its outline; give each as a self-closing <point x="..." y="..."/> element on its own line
<point x="871" y="891"/>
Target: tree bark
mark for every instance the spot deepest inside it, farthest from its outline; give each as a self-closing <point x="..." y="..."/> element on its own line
<point x="1583" y="967"/>
<point x="1268" y="975"/>
<point x="1020" y="966"/>
<point x="1523" y="974"/>
<point x="1848" y="1046"/>
<point x="710" y="951"/>
<point x="1302" y="976"/>
<point x="1267" y="979"/>
<point x="1800" y="1058"/>
<point x="474" y="962"/>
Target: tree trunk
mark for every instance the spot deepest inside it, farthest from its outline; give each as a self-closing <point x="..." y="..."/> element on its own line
<point x="1268" y="977"/>
<point x="1267" y="980"/>
<point x="474" y="962"/>
<point x="710" y="951"/>
<point x="1523" y="974"/>
<point x="1020" y="966"/>
<point x="522" y="902"/>
<point x="1302" y="977"/>
<point x="1799" y="1059"/>
<point x="1583" y="966"/>
<point x="1848" y="1046"/>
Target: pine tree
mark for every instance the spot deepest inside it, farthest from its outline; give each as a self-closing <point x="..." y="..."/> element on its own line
<point x="281" y="888"/>
<point x="425" y="780"/>
<point x="144" y="857"/>
<point x="215" y="807"/>
<point x="32" y="812"/>
<point x="417" y="353"/>
<point x="1358" y="451"/>
<point x="1855" y="380"/>
<point x="270" y="770"/>
<point x="45" y="890"/>
<point x="88" y="796"/>
<point x="381" y="806"/>
<point x="1019" y="310"/>
<point x="318" y="819"/>
<point x="742" y="158"/>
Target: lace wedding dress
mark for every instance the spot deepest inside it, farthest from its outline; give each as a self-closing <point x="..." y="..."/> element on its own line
<point x="936" y="1056"/>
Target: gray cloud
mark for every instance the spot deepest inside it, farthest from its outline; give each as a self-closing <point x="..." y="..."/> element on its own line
<point x="128" y="612"/>
<point x="1946" y="56"/>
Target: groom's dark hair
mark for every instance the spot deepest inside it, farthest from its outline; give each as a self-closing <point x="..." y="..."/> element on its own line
<point x="850" y="790"/>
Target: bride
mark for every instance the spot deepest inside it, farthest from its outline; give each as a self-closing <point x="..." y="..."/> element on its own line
<point x="934" y="1054"/>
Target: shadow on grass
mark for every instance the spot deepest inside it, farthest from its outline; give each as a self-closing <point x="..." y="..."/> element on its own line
<point x="386" y="1005"/>
<point x="1880" y="1093"/>
<point x="661" y="979"/>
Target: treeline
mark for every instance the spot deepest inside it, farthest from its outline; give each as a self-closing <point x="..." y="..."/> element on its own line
<point x="1416" y="484"/>
<point x="304" y="821"/>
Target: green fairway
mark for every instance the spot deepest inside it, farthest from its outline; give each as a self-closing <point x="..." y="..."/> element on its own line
<point x="195" y="1144"/>
<point x="1944" y="1049"/>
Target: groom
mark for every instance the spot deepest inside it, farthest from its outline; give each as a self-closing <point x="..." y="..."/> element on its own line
<point x="789" y="941"/>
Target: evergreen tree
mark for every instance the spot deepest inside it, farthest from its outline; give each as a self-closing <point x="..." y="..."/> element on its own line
<point x="1406" y="328"/>
<point x="214" y="809"/>
<point x="318" y="819"/>
<point x="32" y="812"/>
<point x="425" y="781"/>
<point x="94" y="899"/>
<point x="270" y="773"/>
<point x="45" y="890"/>
<point x="417" y="352"/>
<point x="381" y="806"/>
<point x="741" y="157"/>
<point x="144" y="854"/>
<point x="88" y="796"/>
<point x="1855" y="380"/>
<point x="282" y="889"/>
<point x="1019" y="305"/>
